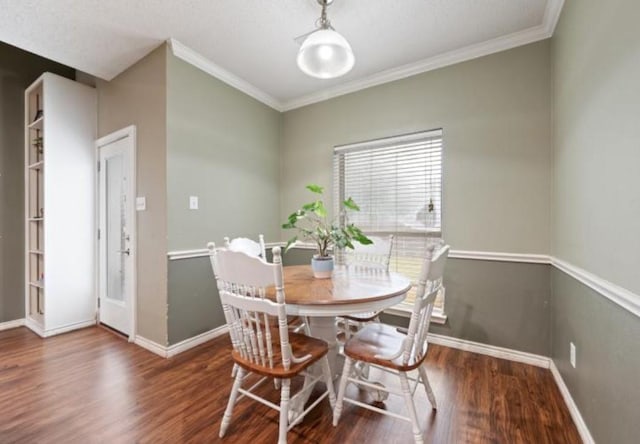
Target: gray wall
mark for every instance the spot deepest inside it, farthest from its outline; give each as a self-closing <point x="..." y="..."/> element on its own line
<point x="138" y="97"/>
<point x="495" y="112"/>
<point x="505" y="304"/>
<point x="596" y="65"/>
<point x="194" y="304"/>
<point x="605" y="383"/>
<point x="222" y="146"/>
<point x="596" y="208"/>
<point x="498" y="303"/>
<point x="18" y="69"/>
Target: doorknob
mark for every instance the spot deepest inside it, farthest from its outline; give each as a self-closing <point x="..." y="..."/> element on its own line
<point x="127" y="251"/>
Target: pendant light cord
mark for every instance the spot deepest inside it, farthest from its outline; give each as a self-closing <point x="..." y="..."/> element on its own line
<point x="324" y="21"/>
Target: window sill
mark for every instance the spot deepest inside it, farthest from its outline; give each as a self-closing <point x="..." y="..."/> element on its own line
<point x="437" y="317"/>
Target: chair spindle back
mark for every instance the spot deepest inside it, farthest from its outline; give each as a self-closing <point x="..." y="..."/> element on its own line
<point x="429" y="285"/>
<point x="251" y="317"/>
<point x="374" y="256"/>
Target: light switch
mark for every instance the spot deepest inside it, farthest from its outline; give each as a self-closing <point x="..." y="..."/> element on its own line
<point x="141" y="203"/>
<point x="193" y="202"/>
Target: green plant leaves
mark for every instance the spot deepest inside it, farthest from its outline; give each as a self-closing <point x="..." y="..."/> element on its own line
<point x="320" y="210"/>
<point x="315" y="188"/>
<point x="290" y="243"/>
<point x="350" y="203"/>
<point x="312" y="225"/>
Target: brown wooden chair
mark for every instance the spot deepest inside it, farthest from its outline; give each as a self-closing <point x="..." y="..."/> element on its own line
<point x="384" y="347"/>
<point x="262" y="343"/>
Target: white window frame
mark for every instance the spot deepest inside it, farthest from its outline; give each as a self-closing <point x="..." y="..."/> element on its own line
<point x="405" y="308"/>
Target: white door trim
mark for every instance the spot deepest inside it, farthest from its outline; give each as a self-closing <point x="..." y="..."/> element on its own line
<point x="129" y="131"/>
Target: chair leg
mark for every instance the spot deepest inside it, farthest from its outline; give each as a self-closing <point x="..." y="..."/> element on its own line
<point x="427" y="386"/>
<point x="294" y="416"/>
<point x="328" y="378"/>
<point x="284" y="410"/>
<point x="234" y="370"/>
<point x="226" y="419"/>
<point x="408" y="400"/>
<point x="337" y="411"/>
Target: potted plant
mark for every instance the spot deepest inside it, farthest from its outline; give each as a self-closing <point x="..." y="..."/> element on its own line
<point x="312" y="223"/>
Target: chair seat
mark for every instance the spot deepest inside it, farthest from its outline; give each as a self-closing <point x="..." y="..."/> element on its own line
<point x="380" y="339"/>
<point x="300" y="344"/>
<point x="363" y="317"/>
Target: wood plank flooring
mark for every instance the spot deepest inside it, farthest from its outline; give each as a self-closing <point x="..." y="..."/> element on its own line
<point x="90" y="386"/>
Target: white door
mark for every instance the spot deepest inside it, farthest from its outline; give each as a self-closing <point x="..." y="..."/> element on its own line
<point x="117" y="231"/>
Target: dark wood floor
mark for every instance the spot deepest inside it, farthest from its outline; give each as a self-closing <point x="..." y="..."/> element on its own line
<point x="91" y="386"/>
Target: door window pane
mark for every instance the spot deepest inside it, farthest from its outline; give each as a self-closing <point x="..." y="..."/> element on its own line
<point x="115" y="201"/>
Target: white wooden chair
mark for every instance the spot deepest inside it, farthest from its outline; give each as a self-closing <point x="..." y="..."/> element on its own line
<point x="373" y="256"/>
<point x="262" y="343"/>
<point x="384" y="347"/>
<point x="252" y="248"/>
<point x="376" y="256"/>
<point x="246" y="245"/>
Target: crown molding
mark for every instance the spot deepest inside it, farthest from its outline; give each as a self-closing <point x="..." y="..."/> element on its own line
<point x="531" y="35"/>
<point x="199" y="61"/>
<point x="432" y="63"/>
<point x="520" y="38"/>
<point x="552" y="15"/>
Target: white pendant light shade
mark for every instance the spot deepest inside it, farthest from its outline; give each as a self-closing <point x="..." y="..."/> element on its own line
<point x="325" y="54"/>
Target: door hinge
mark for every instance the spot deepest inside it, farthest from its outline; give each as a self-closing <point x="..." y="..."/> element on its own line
<point x="98" y="302"/>
<point x="98" y="166"/>
<point x="98" y="233"/>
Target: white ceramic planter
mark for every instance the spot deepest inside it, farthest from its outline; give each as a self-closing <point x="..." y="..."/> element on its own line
<point x="322" y="267"/>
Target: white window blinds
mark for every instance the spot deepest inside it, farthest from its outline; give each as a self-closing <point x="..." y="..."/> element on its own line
<point x="397" y="182"/>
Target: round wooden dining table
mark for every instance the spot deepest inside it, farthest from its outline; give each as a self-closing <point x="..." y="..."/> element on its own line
<point x="350" y="290"/>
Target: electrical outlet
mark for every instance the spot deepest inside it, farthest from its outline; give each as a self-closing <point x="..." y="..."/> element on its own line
<point x="572" y="354"/>
<point x="193" y="202"/>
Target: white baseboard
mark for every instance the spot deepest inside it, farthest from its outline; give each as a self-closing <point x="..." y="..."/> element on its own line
<point x="153" y="347"/>
<point x="34" y="327"/>
<point x="182" y="346"/>
<point x="490" y="350"/>
<point x="187" y="344"/>
<point x="37" y="329"/>
<point x="11" y="324"/>
<point x="70" y="327"/>
<point x="571" y="405"/>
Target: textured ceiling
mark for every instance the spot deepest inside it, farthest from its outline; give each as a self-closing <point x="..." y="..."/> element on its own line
<point x="254" y="39"/>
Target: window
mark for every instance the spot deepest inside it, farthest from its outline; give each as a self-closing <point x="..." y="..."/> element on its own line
<point x="397" y="182"/>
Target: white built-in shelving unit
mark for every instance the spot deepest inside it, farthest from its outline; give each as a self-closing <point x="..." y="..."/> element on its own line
<point x="60" y="130"/>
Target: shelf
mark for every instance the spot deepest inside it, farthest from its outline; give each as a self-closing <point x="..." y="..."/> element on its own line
<point x="52" y="188"/>
<point x="37" y="124"/>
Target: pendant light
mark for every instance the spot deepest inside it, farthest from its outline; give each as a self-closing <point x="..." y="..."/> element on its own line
<point x="325" y="54"/>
